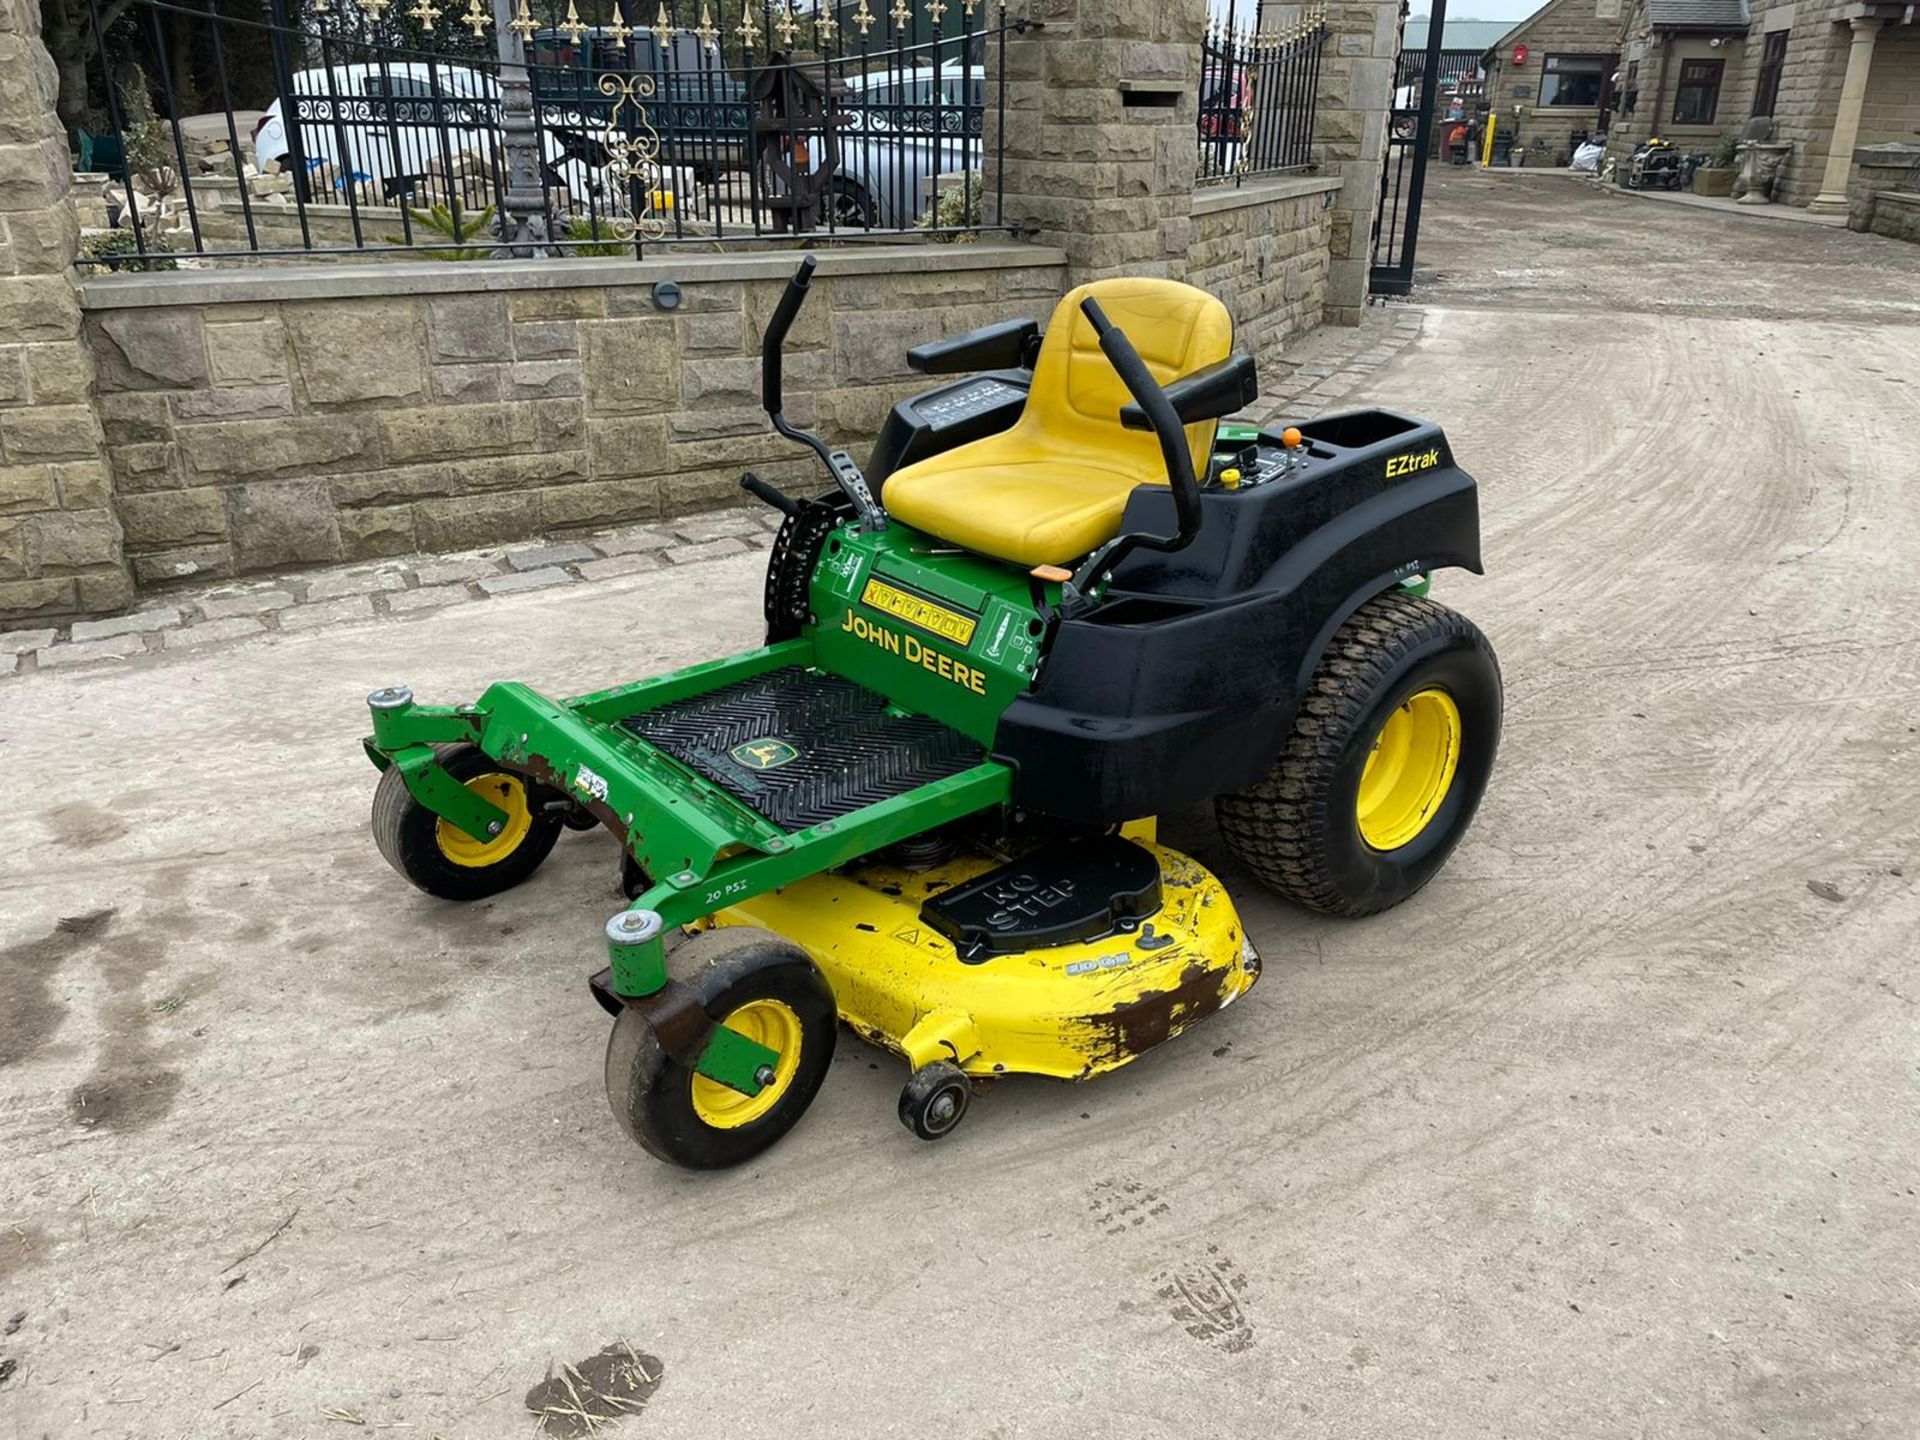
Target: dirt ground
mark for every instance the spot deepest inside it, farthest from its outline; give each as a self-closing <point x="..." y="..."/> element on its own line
<point x="1611" y="1132"/>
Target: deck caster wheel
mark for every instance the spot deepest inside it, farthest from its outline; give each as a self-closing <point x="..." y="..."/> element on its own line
<point x="766" y="989"/>
<point x="1385" y="764"/>
<point x="441" y="858"/>
<point x="934" y="1099"/>
<point x="578" y="818"/>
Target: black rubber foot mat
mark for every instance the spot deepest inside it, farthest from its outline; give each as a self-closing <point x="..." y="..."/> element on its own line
<point x="800" y="747"/>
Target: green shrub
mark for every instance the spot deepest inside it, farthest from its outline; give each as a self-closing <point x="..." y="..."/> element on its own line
<point x="956" y="207"/>
<point x="593" y="228"/>
<point x="456" y="225"/>
<point x="120" y="250"/>
<point x="146" y="139"/>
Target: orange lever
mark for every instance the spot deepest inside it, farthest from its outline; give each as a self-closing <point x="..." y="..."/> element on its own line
<point x="1054" y="573"/>
<point x="1291" y="437"/>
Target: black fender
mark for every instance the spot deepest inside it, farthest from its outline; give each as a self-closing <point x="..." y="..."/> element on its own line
<point x="1185" y="681"/>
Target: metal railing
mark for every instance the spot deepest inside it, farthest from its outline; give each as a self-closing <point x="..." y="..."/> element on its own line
<point x="1258" y="95"/>
<point x="542" y="126"/>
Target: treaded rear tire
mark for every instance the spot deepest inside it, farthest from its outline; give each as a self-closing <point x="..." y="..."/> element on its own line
<point x="1298" y="829"/>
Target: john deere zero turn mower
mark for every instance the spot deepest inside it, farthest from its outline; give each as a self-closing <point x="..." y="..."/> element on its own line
<point x="1059" y="600"/>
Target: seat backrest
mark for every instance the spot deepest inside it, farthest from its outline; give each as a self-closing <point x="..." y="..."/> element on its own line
<point x="1076" y="394"/>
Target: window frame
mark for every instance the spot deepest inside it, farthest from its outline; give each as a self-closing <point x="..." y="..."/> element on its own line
<point x="1682" y="85"/>
<point x="1549" y="71"/>
<point x="1773" y="65"/>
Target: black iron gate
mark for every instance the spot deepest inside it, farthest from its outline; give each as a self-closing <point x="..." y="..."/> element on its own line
<point x="1396" y="223"/>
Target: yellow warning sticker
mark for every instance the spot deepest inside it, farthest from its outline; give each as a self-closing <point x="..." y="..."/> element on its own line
<point x="918" y="611"/>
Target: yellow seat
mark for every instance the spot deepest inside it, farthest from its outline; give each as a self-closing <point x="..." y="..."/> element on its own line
<point x="1053" y="487"/>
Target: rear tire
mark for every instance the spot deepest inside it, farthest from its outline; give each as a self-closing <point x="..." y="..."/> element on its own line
<point x="443" y="860"/>
<point x="1385" y="765"/>
<point x="767" y="988"/>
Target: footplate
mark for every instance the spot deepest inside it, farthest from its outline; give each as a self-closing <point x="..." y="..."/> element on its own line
<point x="801" y="747"/>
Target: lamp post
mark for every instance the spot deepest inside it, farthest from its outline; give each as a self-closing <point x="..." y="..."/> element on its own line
<point x="522" y="221"/>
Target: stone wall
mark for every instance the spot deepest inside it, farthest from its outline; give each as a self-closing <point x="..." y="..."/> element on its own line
<point x="1100" y="137"/>
<point x="261" y="420"/>
<point x="256" y="419"/>
<point x="59" y="542"/>
<point x="1101" y="145"/>
<point x="1897" y="216"/>
<point x="1878" y="170"/>
<point x="1262" y="249"/>
<point x="1891" y="114"/>
<point x="1350" y="134"/>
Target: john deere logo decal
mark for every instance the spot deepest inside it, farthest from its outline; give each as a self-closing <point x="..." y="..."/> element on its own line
<point x="764" y="754"/>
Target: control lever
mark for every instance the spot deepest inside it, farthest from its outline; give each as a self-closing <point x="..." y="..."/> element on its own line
<point x="1174" y="452"/>
<point x="846" y="474"/>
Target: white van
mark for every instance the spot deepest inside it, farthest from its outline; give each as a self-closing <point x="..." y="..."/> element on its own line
<point x="411" y="133"/>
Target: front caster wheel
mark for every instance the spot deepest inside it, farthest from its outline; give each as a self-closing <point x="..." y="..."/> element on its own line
<point x="934" y="1099"/>
<point x="759" y="986"/>
<point x="440" y="857"/>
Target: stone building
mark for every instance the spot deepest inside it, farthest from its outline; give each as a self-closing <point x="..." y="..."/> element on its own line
<point x="1551" y="76"/>
<point x="1834" y="76"/>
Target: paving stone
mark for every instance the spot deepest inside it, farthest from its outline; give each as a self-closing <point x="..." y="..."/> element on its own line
<point x="530" y="580"/>
<point x="331" y="584"/>
<point x="214" y="632"/>
<point x="428" y="597"/>
<point x="328" y="612"/>
<point x="117" y="647"/>
<point x="541" y="556"/>
<point x="454" y="569"/>
<point x="713" y="527"/>
<point x="617" y="565"/>
<point x="18" y="642"/>
<point x="136" y="623"/>
<point x="711" y="550"/>
<point x="628" y="542"/>
<point x="247" y="602"/>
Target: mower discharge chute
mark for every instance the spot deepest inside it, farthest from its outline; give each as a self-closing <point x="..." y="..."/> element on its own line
<point x="1060" y="599"/>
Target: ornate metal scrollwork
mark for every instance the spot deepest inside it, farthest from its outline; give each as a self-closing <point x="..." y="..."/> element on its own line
<point x="633" y="159"/>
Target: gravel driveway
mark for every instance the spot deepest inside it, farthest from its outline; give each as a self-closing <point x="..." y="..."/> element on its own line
<point x="1612" y="1131"/>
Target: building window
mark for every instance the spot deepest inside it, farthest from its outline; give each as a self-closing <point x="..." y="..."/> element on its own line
<point x="1773" y="59"/>
<point x="1698" y="97"/>
<point x="1573" y="82"/>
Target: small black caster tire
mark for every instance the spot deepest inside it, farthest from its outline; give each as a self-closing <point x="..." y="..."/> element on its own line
<point x="444" y="860"/>
<point x="579" y="818"/>
<point x="934" y="1100"/>
<point x="768" y="989"/>
<point x="1386" y="763"/>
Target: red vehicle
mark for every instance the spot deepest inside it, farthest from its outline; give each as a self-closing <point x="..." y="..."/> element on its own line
<point x="1224" y="99"/>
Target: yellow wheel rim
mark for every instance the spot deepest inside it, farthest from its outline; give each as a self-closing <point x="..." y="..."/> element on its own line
<point x="1410" y="770"/>
<point x="765" y="1022"/>
<point x="510" y="794"/>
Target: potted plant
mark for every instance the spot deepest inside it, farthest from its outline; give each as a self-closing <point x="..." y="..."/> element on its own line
<point x="1716" y="176"/>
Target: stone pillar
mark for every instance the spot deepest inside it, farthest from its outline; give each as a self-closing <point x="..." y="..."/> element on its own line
<point x="1350" y="136"/>
<point x="1101" y="133"/>
<point x="1832" y="199"/>
<point x="59" y="540"/>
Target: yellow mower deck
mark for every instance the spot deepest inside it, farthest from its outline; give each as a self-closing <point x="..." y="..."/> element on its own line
<point x="1066" y="1011"/>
